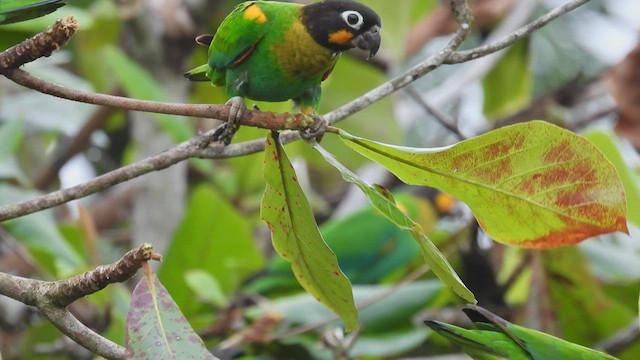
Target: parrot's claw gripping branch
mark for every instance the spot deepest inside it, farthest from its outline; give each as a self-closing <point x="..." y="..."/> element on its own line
<point x="315" y="131"/>
<point x="225" y="132"/>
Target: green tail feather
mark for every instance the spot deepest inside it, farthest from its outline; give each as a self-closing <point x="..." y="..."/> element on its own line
<point x="198" y="74"/>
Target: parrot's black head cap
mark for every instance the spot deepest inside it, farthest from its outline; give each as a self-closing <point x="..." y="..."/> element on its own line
<point x="341" y="25"/>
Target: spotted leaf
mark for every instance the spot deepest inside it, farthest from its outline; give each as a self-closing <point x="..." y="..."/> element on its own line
<point x="531" y="185"/>
<point x="296" y="237"/>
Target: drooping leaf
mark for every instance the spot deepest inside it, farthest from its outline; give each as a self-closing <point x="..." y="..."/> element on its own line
<point x="156" y="329"/>
<point x="382" y="199"/>
<point x="296" y="238"/>
<point x="531" y="185"/>
<point x="370" y="248"/>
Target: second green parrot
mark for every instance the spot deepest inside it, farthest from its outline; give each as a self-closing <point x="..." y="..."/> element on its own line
<point x="495" y="338"/>
<point x="276" y="51"/>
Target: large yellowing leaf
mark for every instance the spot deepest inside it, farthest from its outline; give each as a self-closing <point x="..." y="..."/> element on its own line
<point x="382" y="199"/>
<point x="296" y="237"/>
<point x="532" y="185"/>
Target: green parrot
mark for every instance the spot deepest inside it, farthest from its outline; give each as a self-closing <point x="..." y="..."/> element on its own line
<point x="12" y="11"/>
<point x="276" y="51"/>
<point x="496" y="338"/>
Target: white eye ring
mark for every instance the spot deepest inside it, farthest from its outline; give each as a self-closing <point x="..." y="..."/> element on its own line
<point x="353" y="19"/>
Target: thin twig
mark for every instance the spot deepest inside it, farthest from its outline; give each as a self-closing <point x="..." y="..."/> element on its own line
<point x="621" y="340"/>
<point x="78" y="332"/>
<point x="42" y="44"/>
<point x="463" y="56"/>
<point x="442" y="118"/>
<point x="96" y="121"/>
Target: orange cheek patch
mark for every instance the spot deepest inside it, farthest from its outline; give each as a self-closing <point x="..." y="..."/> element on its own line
<point x="254" y="13"/>
<point x="340" y="37"/>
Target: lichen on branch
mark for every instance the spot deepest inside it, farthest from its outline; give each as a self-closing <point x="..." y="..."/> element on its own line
<point x="42" y="44"/>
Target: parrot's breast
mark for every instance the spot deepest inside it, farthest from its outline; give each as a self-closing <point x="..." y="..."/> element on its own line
<point x="284" y="64"/>
<point x="300" y="57"/>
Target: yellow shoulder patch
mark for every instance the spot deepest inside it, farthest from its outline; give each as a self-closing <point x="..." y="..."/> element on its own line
<point x="341" y="37"/>
<point x="254" y="13"/>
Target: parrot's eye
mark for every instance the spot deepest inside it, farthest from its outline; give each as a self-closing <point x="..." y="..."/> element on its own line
<point x="353" y="19"/>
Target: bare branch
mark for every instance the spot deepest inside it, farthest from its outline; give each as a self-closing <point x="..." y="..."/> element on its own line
<point x="52" y="298"/>
<point x="467" y="55"/>
<point x="78" y="332"/>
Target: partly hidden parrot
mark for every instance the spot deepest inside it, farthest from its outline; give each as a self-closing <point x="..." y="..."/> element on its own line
<point x="496" y="338"/>
<point x="276" y="51"/>
<point x="13" y="11"/>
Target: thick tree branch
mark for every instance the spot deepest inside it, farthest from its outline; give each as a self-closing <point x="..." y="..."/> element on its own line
<point x="52" y="298"/>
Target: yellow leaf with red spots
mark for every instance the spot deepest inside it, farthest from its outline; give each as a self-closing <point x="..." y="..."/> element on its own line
<point x="531" y="185"/>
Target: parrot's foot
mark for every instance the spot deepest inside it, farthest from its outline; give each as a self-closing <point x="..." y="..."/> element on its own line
<point x="317" y="130"/>
<point x="224" y="133"/>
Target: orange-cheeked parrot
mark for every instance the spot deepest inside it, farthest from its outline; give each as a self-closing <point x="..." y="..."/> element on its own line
<point x="276" y="51"/>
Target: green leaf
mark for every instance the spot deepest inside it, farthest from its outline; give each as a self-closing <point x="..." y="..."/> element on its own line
<point x="507" y="88"/>
<point x="394" y="309"/>
<point x="383" y="200"/>
<point x="212" y="237"/>
<point x="370" y="248"/>
<point x="139" y="83"/>
<point x="156" y="329"/>
<point x="630" y="180"/>
<point x="296" y="238"/>
<point x="390" y="344"/>
<point x="11" y="136"/>
<point x="578" y="298"/>
<point x="206" y="287"/>
<point x="531" y="185"/>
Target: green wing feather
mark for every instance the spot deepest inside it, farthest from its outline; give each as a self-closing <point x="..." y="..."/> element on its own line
<point x="234" y="39"/>
<point x="13" y="11"/>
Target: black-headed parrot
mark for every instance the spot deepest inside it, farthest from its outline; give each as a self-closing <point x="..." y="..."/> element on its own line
<point x="496" y="338"/>
<point x="276" y="51"/>
<point x="12" y="11"/>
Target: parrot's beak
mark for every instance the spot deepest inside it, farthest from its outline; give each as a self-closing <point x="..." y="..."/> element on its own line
<point x="369" y="40"/>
